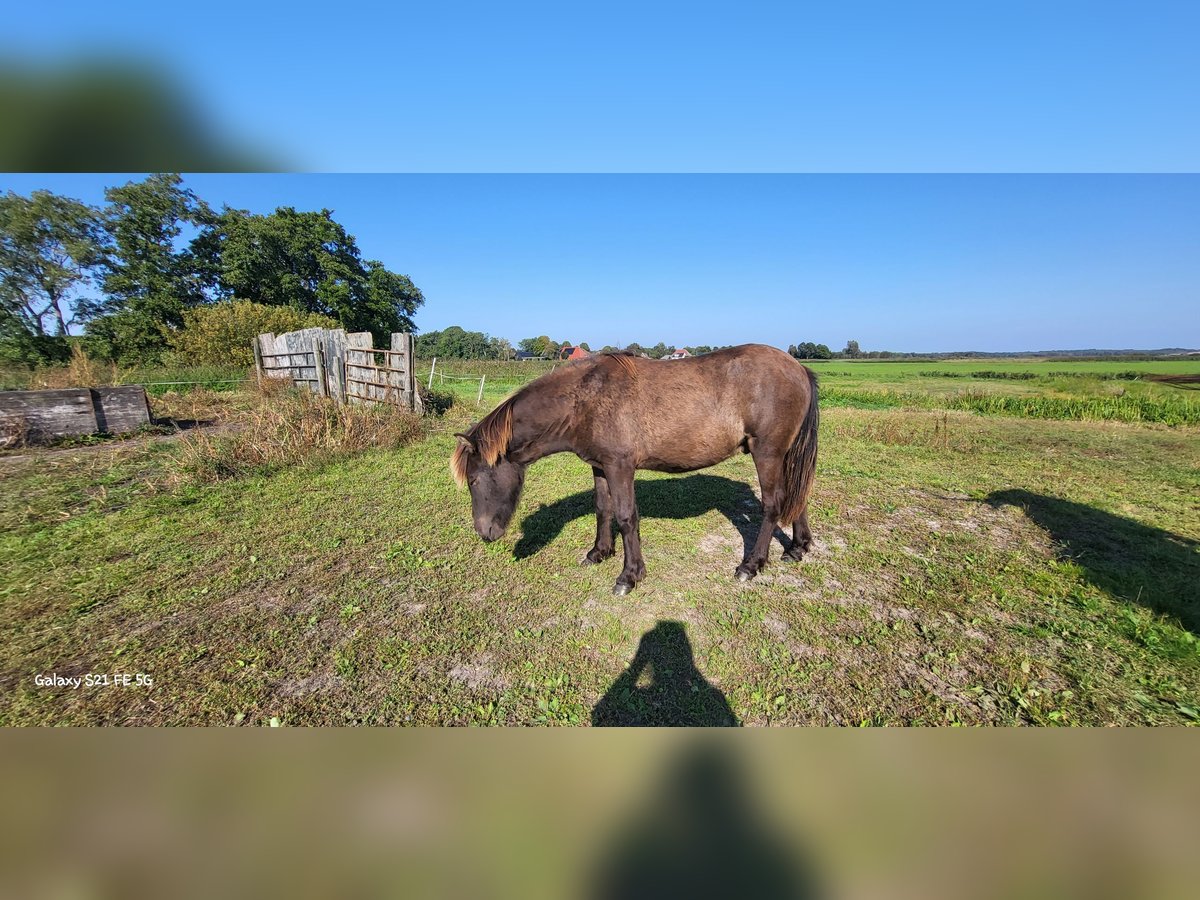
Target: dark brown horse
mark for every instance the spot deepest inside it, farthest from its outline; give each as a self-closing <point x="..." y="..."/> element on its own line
<point x="620" y="413"/>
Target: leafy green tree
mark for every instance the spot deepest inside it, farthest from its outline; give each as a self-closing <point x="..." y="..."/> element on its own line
<point x="308" y="261"/>
<point x="456" y="342"/>
<point x="540" y="345"/>
<point x="500" y="348"/>
<point x="809" y="350"/>
<point x="852" y="351"/>
<point x="658" y="351"/>
<point x="147" y="278"/>
<point x="49" y="246"/>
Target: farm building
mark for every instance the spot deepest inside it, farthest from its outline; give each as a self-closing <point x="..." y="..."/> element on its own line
<point x="573" y="353"/>
<point x="681" y="353"/>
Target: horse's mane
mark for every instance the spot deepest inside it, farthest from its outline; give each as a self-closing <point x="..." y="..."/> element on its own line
<point x="624" y="359"/>
<point x="490" y="436"/>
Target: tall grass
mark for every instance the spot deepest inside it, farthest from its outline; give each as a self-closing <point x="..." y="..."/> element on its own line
<point x="1167" y="409"/>
<point x="287" y="427"/>
<point x="83" y="371"/>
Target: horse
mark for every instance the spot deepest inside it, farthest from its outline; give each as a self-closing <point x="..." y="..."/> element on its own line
<point x="620" y="413"/>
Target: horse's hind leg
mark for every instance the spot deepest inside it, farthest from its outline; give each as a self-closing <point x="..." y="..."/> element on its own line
<point x="603" y="548"/>
<point x="801" y="538"/>
<point x="770" y="478"/>
<point x="624" y="502"/>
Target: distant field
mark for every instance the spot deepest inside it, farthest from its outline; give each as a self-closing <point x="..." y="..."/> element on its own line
<point x="1115" y="390"/>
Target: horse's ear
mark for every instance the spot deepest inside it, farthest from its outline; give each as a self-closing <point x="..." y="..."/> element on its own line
<point x="466" y="441"/>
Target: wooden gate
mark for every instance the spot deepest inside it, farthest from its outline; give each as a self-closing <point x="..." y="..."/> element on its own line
<point x="344" y="367"/>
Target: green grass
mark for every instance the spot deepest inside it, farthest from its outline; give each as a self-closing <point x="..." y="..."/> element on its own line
<point x="969" y="569"/>
<point x="1046" y="389"/>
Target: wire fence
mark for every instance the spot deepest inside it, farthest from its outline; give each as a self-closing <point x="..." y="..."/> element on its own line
<point x="502" y="383"/>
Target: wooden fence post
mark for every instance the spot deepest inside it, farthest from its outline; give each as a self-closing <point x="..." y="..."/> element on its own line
<point x="258" y="363"/>
<point x="432" y="366"/>
<point x="479" y="399"/>
<point x="319" y="366"/>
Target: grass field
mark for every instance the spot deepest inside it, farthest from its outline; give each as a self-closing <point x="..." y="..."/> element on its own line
<point x="1114" y="390"/>
<point x="969" y="569"/>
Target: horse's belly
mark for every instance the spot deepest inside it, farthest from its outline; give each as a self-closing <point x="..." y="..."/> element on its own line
<point x="690" y="453"/>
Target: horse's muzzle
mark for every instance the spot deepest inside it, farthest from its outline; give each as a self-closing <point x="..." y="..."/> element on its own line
<point x="490" y="532"/>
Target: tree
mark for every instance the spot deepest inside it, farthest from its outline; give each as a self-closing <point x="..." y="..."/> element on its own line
<point x="148" y="281"/>
<point x="49" y="246"/>
<point x="308" y="261"/>
<point x="458" y="343"/>
<point x="586" y="347"/>
<point x="500" y="348"/>
<point x="852" y="351"/>
<point x="542" y="346"/>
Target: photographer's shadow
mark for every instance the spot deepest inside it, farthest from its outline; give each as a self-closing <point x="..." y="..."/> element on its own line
<point x="674" y="691"/>
<point x="698" y="833"/>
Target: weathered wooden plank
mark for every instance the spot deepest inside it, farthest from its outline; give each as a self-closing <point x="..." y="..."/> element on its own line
<point x="357" y="363"/>
<point x="120" y="409"/>
<point x="44" y="415"/>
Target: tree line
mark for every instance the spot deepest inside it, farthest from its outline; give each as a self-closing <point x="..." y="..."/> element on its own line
<point x="130" y="271"/>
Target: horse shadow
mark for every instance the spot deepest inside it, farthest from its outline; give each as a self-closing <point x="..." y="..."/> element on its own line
<point x="676" y="692"/>
<point x="661" y="498"/>
<point x="1136" y="562"/>
<point x="698" y="833"/>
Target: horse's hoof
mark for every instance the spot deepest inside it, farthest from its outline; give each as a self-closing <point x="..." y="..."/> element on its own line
<point x="793" y="555"/>
<point x="620" y="589"/>
<point x="744" y="574"/>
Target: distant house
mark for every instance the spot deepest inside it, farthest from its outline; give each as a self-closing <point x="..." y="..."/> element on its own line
<point x="525" y="356"/>
<point x="573" y="353"/>
<point x="681" y="353"/>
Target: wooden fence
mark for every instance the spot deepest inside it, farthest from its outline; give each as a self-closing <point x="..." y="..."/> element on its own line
<point x="344" y="367"/>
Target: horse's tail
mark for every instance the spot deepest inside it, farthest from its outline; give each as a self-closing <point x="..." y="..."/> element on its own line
<point x="800" y="461"/>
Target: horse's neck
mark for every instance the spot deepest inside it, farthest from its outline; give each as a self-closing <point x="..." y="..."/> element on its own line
<point x="538" y="430"/>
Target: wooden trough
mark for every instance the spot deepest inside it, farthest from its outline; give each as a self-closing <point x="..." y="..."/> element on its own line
<point x="41" y="416"/>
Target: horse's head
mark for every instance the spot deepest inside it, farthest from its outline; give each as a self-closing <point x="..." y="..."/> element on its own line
<point x="495" y="486"/>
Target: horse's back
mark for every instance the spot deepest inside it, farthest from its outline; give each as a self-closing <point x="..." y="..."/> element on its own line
<point x="682" y="415"/>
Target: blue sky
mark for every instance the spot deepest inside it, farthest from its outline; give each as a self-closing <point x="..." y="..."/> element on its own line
<point x="946" y="86"/>
<point x="950" y="262"/>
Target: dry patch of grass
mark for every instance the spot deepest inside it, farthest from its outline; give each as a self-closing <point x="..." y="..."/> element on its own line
<point x="288" y="426"/>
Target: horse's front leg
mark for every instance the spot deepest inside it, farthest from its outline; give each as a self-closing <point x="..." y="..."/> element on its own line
<point x="603" y="548"/>
<point x="624" y="502"/>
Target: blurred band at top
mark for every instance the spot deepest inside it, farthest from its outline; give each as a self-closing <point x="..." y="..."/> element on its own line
<point x="92" y="115"/>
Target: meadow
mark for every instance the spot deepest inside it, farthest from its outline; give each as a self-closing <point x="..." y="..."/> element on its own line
<point x="1104" y="390"/>
<point x="972" y="566"/>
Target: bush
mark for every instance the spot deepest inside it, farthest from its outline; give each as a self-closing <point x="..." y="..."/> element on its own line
<point x="223" y="334"/>
<point x="436" y="402"/>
